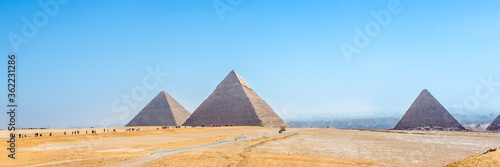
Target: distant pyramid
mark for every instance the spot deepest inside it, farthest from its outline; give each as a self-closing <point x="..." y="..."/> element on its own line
<point x="495" y="125"/>
<point x="234" y="102"/>
<point x="427" y="111"/>
<point x="163" y="110"/>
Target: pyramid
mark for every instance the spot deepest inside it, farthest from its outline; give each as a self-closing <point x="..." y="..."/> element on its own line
<point x="163" y="110"/>
<point x="427" y="111"/>
<point x="234" y="102"/>
<point x="495" y="125"/>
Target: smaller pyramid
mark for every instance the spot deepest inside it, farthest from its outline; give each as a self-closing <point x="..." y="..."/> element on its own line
<point x="427" y="113"/>
<point x="495" y="125"/>
<point x="163" y="110"/>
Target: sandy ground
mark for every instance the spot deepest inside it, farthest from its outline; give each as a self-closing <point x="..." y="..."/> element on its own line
<point x="318" y="147"/>
<point x="487" y="159"/>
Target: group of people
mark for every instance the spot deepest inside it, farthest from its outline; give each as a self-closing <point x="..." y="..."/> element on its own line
<point x="165" y="127"/>
<point x="133" y="129"/>
<point x="214" y="125"/>
<point x="40" y="134"/>
<point x="77" y="132"/>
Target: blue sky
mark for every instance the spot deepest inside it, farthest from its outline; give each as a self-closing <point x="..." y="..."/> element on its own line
<point x="91" y="53"/>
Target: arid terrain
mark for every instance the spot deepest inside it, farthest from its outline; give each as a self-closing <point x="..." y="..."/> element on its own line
<point x="310" y="147"/>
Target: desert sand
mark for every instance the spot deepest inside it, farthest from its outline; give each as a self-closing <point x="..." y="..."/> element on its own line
<point x="311" y="147"/>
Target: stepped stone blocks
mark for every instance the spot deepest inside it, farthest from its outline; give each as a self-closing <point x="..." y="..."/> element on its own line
<point x="233" y="102"/>
<point x="163" y="110"/>
<point x="427" y="113"/>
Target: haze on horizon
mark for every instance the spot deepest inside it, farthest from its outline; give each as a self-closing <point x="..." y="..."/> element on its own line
<point x="82" y="64"/>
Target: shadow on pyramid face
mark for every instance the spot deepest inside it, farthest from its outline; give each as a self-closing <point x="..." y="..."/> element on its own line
<point x="234" y="102"/>
<point x="426" y="113"/>
<point x="495" y="125"/>
<point x="163" y="110"/>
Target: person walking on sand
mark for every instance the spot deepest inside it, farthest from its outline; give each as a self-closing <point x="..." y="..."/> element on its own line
<point x="50" y="134"/>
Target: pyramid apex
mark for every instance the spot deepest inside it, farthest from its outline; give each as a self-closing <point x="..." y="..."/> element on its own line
<point x="233" y="78"/>
<point x="426" y="91"/>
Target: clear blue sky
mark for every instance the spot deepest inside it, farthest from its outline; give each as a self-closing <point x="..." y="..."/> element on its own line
<point x="90" y="53"/>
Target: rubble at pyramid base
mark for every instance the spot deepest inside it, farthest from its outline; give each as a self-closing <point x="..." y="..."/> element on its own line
<point x="438" y="128"/>
<point x="493" y="129"/>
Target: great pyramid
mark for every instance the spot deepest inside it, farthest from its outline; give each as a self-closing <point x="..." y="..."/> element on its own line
<point x="426" y="111"/>
<point x="234" y="102"/>
<point x="495" y="125"/>
<point x="163" y="110"/>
